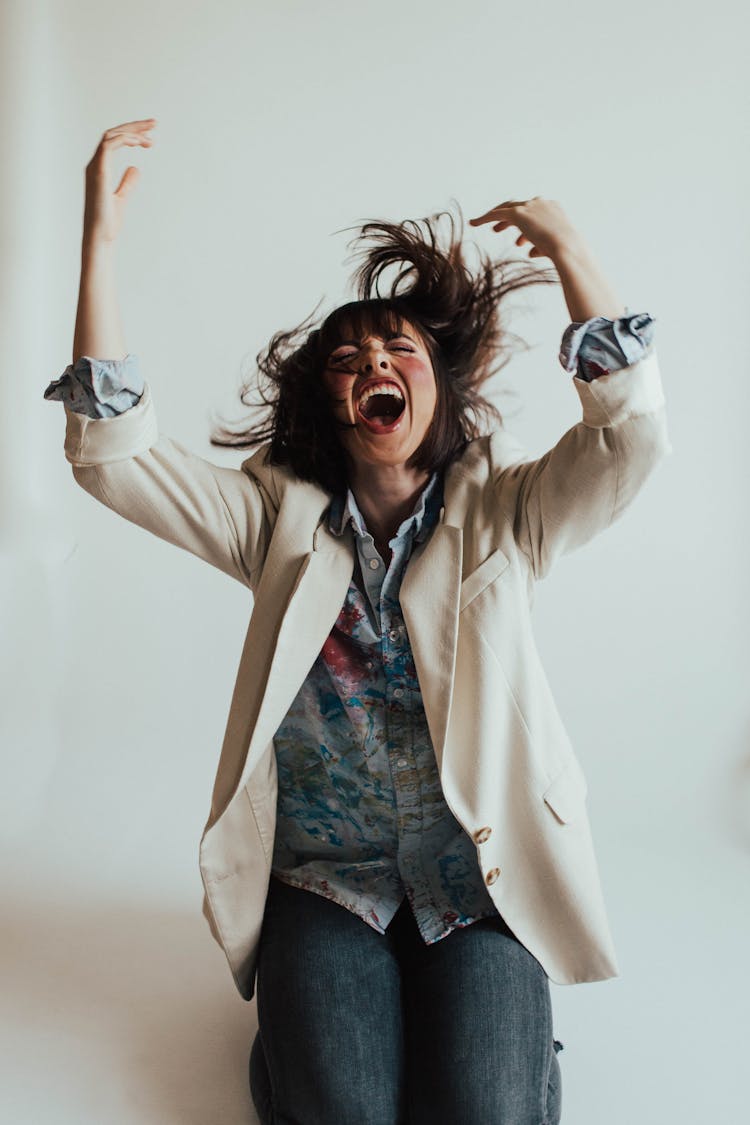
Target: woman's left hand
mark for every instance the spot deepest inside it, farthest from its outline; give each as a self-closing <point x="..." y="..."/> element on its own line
<point x="540" y="221"/>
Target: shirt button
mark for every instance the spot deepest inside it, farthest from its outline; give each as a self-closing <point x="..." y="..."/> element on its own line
<point x="398" y="692"/>
<point x="374" y="564"/>
<point x="402" y="763"/>
<point x="492" y="876"/>
<point x="482" y="835"/>
<point x="393" y="634"/>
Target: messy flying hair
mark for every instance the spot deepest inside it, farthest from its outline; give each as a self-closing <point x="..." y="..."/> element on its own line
<point x="454" y="309"/>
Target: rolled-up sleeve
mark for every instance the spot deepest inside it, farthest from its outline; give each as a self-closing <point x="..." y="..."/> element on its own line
<point x="99" y="388"/>
<point x="599" y="346"/>
<point x="590" y="476"/>
<point x="220" y="514"/>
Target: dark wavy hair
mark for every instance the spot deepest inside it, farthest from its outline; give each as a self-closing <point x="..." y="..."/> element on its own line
<point x="455" y="310"/>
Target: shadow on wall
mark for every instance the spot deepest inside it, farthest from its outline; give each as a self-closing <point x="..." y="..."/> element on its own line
<point x="120" y="1014"/>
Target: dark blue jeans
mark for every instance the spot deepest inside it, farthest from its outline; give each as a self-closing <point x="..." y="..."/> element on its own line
<point x="362" y="1028"/>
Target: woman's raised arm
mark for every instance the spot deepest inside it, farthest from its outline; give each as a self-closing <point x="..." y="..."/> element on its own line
<point x="112" y="440"/>
<point x="98" y="331"/>
<point x="585" y="482"/>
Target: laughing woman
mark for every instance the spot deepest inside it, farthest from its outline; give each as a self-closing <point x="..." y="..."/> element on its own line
<point x="397" y="852"/>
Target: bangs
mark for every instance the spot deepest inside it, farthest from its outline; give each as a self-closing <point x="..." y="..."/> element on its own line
<point x="376" y="317"/>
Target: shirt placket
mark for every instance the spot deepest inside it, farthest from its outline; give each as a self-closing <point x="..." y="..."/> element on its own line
<point x="403" y="737"/>
<point x="399" y="718"/>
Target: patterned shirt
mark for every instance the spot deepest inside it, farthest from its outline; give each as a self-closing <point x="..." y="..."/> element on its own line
<point x="361" y="817"/>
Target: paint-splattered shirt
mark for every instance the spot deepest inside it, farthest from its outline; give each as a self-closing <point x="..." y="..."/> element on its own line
<point x="361" y="817"/>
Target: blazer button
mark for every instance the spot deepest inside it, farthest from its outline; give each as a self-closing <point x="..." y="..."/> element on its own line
<point x="482" y="835"/>
<point x="492" y="876"/>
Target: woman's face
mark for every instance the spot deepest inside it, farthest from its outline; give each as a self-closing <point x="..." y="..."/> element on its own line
<point x="385" y="389"/>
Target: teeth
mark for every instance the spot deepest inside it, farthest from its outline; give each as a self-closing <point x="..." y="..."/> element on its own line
<point x="381" y="389"/>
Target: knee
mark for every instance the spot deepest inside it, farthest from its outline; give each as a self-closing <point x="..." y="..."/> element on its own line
<point x="368" y="1100"/>
<point x="323" y="1094"/>
<point x="522" y="1089"/>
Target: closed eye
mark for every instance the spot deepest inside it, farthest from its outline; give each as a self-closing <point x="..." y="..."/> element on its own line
<point x="348" y="357"/>
<point x="339" y="359"/>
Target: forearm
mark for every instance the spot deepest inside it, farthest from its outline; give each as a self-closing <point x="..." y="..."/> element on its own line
<point x="587" y="291"/>
<point x="98" y="330"/>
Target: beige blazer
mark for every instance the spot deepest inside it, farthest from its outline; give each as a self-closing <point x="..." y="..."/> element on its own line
<point x="508" y="771"/>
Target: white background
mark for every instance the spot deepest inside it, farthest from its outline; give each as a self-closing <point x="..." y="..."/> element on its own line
<point x="278" y="125"/>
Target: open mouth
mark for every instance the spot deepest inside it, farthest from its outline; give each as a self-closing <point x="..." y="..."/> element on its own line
<point x="381" y="407"/>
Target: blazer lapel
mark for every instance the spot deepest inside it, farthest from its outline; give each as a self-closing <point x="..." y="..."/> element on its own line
<point x="429" y="601"/>
<point x="429" y="597"/>
<point x="314" y="605"/>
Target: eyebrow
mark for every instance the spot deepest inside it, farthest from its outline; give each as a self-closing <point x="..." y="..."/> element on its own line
<point x="393" y="336"/>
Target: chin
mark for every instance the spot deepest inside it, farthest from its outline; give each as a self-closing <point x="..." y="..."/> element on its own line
<point x="390" y="454"/>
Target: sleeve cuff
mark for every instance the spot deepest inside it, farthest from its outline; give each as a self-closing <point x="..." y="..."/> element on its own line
<point x="599" y="346"/>
<point x="614" y="399"/>
<point x="99" y="388"/>
<point x="100" y="441"/>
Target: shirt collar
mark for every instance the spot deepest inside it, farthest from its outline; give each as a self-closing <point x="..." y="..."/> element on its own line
<point x="424" y="516"/>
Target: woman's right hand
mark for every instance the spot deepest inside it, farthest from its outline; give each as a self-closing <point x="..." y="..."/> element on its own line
<point x="104" y="209"/>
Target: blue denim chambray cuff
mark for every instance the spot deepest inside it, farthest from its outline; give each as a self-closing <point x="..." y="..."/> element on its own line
<point x="99" y="388"/>
<point x="597" y="346"/>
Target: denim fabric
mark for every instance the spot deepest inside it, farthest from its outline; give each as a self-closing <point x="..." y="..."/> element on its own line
<point x="361" y="817"/>
<point x="598" y="346"/>
<point x="361" y="1028"/>
<point x="99" y="388"/>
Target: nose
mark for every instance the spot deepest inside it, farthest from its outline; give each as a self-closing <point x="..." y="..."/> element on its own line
<point x="374" y="358"/>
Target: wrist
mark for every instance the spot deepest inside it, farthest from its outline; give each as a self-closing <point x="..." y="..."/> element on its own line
<point x="587" y="291"/>
<point x="573" y="253"/>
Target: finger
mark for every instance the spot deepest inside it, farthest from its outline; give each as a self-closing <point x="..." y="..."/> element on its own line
<point x="140" y="135"/>
<point x="130" y="126"/>
<point x="109" y="143"/>
<point x="128" y="181"/>
<point x="495" y="212"/>
<point x="116" y="139"/>
<point x="488" y="217"/>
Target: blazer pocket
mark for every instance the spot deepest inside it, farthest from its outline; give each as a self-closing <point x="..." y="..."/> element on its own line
<point x="566" y="795"/>
<point x="480" y="578"/>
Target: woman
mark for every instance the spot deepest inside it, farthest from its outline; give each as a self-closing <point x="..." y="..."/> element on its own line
<point x="398" y="844"/>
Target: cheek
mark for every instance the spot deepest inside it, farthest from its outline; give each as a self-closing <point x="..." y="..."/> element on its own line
<point x="423" y="388"/>
<point x="337" y="383"/>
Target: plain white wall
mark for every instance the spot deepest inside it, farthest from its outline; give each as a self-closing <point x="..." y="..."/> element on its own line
<point x="278" y="125"/>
